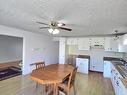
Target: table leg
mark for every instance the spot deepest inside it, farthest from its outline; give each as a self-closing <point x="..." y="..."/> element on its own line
<point x="55" y="89"/>
<point x="43" y="91"/>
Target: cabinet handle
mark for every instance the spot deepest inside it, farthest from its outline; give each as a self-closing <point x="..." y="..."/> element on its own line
<point x="114" y="78"/>
<point x="117" y="83"/>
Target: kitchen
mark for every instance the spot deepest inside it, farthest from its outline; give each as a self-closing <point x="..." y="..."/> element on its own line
<point x="97" y="54"/>
<point x="81" y="40"/>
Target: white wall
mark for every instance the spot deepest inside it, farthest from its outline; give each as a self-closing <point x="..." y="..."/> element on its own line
<point x="10" y="48"/>
<point x="36" y="47"/>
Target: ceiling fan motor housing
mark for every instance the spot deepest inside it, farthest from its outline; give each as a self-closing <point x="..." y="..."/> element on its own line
<point x="54" y="24"/>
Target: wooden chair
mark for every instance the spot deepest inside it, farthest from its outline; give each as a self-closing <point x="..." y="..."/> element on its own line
<point x="40" y="65"/>
<point x="68" y="83"/>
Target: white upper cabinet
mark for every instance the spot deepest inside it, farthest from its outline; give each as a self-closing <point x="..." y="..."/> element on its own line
<point x="121" y="46"/>
<point x="107" y="44"/>
<point x="114" y="45"/>
<point x="83" y="44"/>
<point x="72" y="41"/>
<point x="97" y="41"/>
<point x="125" y="39"/>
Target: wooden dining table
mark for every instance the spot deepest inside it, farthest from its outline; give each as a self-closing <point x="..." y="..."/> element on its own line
<point x="52" y="74"/>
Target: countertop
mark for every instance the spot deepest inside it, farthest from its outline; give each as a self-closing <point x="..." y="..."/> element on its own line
<point x="118" y="65"/>
<point x="111" y="59"/>
<point x="83" y="56"/>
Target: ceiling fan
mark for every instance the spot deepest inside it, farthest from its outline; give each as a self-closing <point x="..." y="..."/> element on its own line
<point x="116" y="34"/>
<point x="54" y="26"/>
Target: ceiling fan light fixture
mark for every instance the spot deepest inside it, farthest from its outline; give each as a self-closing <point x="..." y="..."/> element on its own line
<point x="60" y="24"/>
<point x="55" y="31"/>
<point x="116" y="36"/>
<point x="50" y="30"/>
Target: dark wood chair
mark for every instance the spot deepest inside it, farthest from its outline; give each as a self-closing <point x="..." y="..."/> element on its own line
<point x="68" y="83"/>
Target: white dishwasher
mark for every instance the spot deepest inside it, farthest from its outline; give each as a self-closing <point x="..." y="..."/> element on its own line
<point x="83" y="65"/>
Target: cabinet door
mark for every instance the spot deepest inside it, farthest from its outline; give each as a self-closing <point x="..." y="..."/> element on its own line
<point x="107" y="44"/>
<point x="82" y="65"/>
<point x="83" y="44"/>
<point x="97" y="41"/>
<point x="107" y="69"/>
<point x="96" y="61"/>
<point x="72" y="41"/>
<point x="121" y="89"/>
<point x="111" y="44"/>
<point x="121" y="47"/>
<point x="114" y="45"/>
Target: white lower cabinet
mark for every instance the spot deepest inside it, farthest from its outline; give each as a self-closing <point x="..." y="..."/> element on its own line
<point x="96" y="62"/>
<point x="118" y="86"/>
<point x="107" y="69"/>
<point x="83" y="65"/>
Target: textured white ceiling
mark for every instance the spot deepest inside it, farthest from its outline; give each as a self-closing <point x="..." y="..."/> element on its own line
<point x="85" y="17"/>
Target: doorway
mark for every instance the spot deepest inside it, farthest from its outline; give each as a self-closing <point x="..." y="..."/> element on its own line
<point x="11" y="55"/>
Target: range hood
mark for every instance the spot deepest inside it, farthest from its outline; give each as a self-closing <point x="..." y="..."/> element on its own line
<point x="97" y="47"/>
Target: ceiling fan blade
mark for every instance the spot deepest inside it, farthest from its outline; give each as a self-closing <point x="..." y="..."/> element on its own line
<point x="43" y="27"/>
<point x="42" y="23"/>
<point x="68" y="29"/>
<point x="119" y="33"/>
<point x="61" y="24"/>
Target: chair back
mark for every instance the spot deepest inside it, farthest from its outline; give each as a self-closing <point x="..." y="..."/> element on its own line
<point x="73" y="76"/>
<point x="40" y="65"/>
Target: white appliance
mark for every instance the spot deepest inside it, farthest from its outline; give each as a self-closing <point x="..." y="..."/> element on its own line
<point x="83" y="65"/>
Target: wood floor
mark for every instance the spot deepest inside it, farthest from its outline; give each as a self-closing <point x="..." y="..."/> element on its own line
<point x="92" y="84"/>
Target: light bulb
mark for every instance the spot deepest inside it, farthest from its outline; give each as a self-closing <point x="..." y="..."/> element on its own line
<point x="56" y="31"/>
<point x="60" y="24"/>
<point x="50" y="30"/>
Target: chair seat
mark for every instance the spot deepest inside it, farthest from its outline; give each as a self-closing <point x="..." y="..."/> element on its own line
<point x="68" y="82"/>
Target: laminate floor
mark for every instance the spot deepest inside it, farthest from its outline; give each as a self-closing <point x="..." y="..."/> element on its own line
<point x="92" y="84"/>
